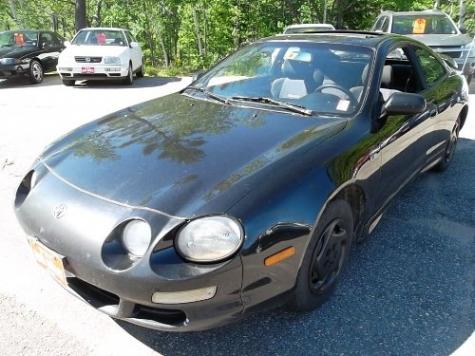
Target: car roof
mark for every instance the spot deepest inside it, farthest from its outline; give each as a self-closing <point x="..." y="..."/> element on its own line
<point x="104" y="29"/>
<point x="304" y="25"/>
<point x="412" y="13"/>
<point x="346" y="37"/>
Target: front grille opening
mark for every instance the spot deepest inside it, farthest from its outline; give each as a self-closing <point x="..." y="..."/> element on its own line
<point x="162" y="316"/>
<point x="95" y="296"/>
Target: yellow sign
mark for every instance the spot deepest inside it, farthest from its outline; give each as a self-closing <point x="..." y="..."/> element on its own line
<point x="419" y="26"/>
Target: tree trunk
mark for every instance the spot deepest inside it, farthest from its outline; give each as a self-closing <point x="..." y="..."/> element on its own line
<point x="14" y="13"/>
<point x="462" y="14"/>
<point x="437" y="4"/>
<point x="80" y="14"/>
<point x="197" y="31"/>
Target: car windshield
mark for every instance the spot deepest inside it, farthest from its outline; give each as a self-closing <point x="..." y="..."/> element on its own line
<point x="324" y="78"/>
<point x="18" y="38"/>
<point x="100" y="38"/>
<point x="423" y="25"/>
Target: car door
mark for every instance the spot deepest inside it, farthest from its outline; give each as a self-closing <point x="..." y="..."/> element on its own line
<point x="441" y="93"/>
<point x="399" y="135"/>
<point x="135" y="51"/>
<point x="49" y="47"/>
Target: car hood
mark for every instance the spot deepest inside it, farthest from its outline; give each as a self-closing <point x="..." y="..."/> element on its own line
<point x="16" y="52"/>
<point x="437" y="40"/>
<point x="93" y="51"/>
<point x="182" y="155"/>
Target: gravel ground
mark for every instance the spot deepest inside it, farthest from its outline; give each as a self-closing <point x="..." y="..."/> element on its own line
<point x="408" y="290"/>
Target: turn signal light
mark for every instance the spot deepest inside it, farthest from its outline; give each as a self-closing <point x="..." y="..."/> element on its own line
<point x="279" y="256"/>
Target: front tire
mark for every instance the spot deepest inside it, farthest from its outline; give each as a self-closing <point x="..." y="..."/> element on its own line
<point x="450" y="149"/>
<point x="36" y="73"/>
<point x="129" y="80"/>
<point x="325" y="257"/>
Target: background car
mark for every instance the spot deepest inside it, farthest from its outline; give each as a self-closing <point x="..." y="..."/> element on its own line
<point x="249" y="187"/>
<point x="29" y="53"/>
<point x="306" y="28"/>
<point x="101" y="54"/>
<point x="435" y="29"/>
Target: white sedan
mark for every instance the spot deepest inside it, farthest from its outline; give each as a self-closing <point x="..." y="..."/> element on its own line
<point x="100" y="54"/>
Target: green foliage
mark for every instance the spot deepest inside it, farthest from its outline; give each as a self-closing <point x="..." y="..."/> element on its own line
<point x="186" y="35"/>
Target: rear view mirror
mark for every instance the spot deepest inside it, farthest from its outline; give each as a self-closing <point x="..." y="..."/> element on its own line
<point x="405" y="104"/>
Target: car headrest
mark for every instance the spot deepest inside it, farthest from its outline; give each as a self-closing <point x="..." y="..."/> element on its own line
<point x="295" y="69"/>
<point x="387" y="76"/>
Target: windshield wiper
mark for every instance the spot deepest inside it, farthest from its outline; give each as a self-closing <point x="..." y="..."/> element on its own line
<point x="209" y="94"/>
<point x="281" y="104"/>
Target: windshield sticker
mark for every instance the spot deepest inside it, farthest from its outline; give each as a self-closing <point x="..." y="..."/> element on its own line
<point x="419" y="26"/>
<point x="343" y="105"/>
<point x="19" y="39"/>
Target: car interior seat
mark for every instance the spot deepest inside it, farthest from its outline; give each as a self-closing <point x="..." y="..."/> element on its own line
<point x="299" y="80"/>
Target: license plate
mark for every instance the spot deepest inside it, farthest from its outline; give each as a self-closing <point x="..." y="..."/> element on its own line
<point x="87" y="70"/>
<point x="49" y="260"/>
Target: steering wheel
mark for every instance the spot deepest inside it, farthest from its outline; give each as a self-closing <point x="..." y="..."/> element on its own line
<point x="345" y="91"/>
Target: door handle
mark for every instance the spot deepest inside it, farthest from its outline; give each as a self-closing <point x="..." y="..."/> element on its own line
<point x="433" y="111"/>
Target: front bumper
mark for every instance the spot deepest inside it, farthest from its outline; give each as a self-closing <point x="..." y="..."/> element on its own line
<point x="125" y="294"/>
<point x="92" y="71"/>
<point x="12" y="70"/>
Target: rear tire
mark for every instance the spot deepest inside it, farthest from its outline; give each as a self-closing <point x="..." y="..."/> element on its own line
<point x="129" y="80"/>
<point x="69" y="82"/>
<point x="450" y="149"/>
<point x="36" y="74"/>
<point x="325" y="257"/>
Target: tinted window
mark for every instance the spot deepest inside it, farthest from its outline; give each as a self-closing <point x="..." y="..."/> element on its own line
<point x="423" y="24"/>
<point x="49" y="39"/>
<point x="432" y="69"/>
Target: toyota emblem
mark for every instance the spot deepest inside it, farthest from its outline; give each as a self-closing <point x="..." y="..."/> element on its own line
<point x="59" y="211"/>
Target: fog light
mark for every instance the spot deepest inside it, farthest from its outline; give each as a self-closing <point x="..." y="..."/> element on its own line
<point x="188" y="296"/>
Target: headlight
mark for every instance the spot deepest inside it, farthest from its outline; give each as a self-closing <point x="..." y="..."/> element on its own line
<point x="136" y="237"/>
<point x="209" y="239"/>
<point x="9" y="61"/>
<point x="112" y="60"/>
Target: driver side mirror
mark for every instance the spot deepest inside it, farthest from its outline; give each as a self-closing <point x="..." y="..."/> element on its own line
<point x="463" y="30"/>
<point x="44" y="45"/>
<point x="66" y="44"/>
<point x="405" y="104"/>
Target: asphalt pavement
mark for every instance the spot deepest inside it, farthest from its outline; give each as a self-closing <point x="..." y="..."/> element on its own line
<point x="408" y="290"/>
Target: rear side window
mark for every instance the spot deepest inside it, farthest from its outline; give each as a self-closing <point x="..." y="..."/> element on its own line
<point x="432" y="69"/>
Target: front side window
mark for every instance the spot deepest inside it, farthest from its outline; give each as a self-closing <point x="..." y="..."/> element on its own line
<point x="423" y="25"/>
<point x="432" y="69"/>
<point x="18" y="39"/>
<point x="319" y="77"/>
<point x="100" y="38"/>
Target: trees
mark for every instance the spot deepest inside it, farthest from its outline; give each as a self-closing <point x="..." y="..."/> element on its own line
<point x="195" y="33"/>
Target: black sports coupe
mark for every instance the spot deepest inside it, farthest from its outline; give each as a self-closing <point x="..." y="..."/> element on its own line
<point x="29" y="53"/>
<point x="248" y="187"/>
